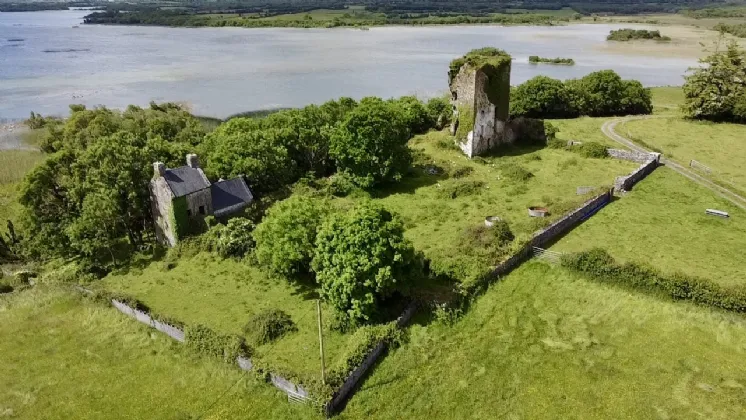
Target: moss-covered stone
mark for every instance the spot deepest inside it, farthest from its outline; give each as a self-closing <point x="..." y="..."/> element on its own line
<point x="479" y="59"/>
<point x="465" y="122"/>
<point x="179" y="218"/>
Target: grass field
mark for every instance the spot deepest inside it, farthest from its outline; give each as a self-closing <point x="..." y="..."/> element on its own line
<point x="437" y="223"/>
<point x="542" y="344"/>
<point x="663" y="222"/>
<point x="720" y="146"/>
<point x="64" y="358"/>
<point x="224" y="294"/>
<point x="14" y="164"/>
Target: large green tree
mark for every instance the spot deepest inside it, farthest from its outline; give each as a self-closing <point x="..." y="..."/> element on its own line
<point x="371" y="144"/>
<point x="286" y="237"/>
<point x="542" y="97"/>
<point x="362" y="257"/>
<point x="90" y="197"/>
<point x="716" y="90"/>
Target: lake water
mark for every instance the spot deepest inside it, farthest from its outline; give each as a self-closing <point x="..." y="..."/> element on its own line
<point x="46" y="64"/>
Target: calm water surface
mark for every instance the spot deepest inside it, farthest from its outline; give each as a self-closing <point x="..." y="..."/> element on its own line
<point x="46" y="64"/>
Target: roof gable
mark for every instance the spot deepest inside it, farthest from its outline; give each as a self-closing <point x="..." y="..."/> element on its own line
<point x="185" y="180"/>
<point x="230" y="196"/>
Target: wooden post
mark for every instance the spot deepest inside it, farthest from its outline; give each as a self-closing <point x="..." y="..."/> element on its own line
<point x="321" y="343"/>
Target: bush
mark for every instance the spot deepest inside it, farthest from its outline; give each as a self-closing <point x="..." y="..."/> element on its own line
<point x="461" y="171"/>
<point x="497" y="236"/>
<point x="232" y="240"/>
<point x="285" y="239"/>
<point x="542" y="97"/>
<point x="453" y="189"/>
<point x="268" y="326"/>
<point x="362" y="342"/>
<point x="440" y="111"/>
<point x="591" y="150"/>
<point x="516" y="173"/>
<point x="414" y="113"/>
<point x="362" y="257"/>
<point x="371" y="144"/>
<point x="203" y="340"/>
<point x="599" y="266"/>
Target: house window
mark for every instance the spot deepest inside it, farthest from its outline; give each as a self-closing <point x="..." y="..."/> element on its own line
<point x="201" y="209"/>
<point x="189" y="212"/>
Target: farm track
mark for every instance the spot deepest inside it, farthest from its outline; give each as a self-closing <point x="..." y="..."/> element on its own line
<point x="608" y="129"/>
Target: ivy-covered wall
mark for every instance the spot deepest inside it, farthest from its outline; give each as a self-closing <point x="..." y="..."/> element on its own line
<point x="178" y="218"/>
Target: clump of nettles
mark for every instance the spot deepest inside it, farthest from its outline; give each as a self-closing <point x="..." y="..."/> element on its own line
<point x="268" y="326"/>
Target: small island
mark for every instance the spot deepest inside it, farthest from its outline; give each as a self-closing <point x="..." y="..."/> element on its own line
<point x="535" y="59"/>
<point x="628" y="34"/>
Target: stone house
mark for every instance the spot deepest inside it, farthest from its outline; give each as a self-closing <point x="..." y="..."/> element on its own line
<point x="181" y="196"/>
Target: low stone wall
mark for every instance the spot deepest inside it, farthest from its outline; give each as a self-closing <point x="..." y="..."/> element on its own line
<point x="556" y="229"/>
<point x="625" y="183"/>
<point x="632" y="155"/>
<point x="350" y="384"/>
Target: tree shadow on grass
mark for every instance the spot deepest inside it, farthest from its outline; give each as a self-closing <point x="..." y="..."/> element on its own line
<point x="420" y="176"/>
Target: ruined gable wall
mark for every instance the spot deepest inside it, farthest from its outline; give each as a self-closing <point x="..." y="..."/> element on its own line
<point x="161" y="207"/>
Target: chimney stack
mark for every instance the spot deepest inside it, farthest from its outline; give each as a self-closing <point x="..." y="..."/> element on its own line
<point x="159" y="169"/>
<point x="192" y="160"/>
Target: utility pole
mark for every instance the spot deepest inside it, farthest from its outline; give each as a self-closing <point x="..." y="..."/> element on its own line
<point x="321" y="342"/>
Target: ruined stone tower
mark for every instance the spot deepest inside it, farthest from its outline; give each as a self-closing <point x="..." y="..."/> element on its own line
<point x="480" y="96"/>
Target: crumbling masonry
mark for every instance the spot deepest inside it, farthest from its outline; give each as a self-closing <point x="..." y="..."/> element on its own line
<point x="480" y="97"/>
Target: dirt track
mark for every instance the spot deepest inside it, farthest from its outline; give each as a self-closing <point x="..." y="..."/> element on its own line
<point x="608" y="129"/>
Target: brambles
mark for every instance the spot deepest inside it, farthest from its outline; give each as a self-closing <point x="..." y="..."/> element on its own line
<point x="268" y="326"/>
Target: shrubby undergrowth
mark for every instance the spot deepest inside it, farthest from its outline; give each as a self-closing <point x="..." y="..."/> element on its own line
<point x="599" y="266"/>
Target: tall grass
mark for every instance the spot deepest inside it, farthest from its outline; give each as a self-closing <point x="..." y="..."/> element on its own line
<point x="15" y="164"/>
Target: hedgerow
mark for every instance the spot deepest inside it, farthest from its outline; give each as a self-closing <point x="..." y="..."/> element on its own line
<point x="599" y="266"/>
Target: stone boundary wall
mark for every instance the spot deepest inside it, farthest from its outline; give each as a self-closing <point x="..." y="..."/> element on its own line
<point x="296" y="391"/>
<point x="350" y="384"/>
<point x="632" y="155"/>
<point x="625" y="183"/>
<point x="556" y="229"/>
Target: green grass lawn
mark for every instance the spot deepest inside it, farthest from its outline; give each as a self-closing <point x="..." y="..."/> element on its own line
<point x="64" y="358"/>
<point x="437" y="224"/>
<point x="14" y="164"/>
<point x="663" y="222"/>
<point x="543" y="344"/>
<point x="584" y="129"/>
<point x="224" y="294"/>
<point x="720" y="146"/>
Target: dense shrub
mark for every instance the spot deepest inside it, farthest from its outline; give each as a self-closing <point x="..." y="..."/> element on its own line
<point x="461" y="171"/>
<point x="414" y="113"/>
<point x="457" y="188"/>
<point x="440" y="112"/>
<point x="370" y="145"/>
<point x="516" y="173"/>
<point x="268" y="326"/>
<point x="232" y="240"/>
<point x="542" y="97"/>
<point x="362" y="257"/>
<point x="717" y="90"/>
<point x="359" y="345"/>
<point x="203" y="340"/>
<point x="591" y="149"/>
<point x="599" y="266"/>
<point x="285" y="239"/>
<point x="601" y="93"/>
<point x="497" y="236"/>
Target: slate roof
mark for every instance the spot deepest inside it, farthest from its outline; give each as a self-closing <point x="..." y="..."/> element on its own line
<point x="185" y="180"/>
<point x="230" y="196"/>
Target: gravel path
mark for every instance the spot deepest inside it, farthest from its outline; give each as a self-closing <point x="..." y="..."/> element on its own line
<point x="608" y="129"/>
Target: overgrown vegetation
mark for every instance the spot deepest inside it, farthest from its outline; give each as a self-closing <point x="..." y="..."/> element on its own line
<point x="268" y="326"/>
<point x="362" y="258"/>
<point x="628" y="34"/>
<point x="535" y="59"/>
<point x="601" y="93"/>
<point x="598" y="265"/>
